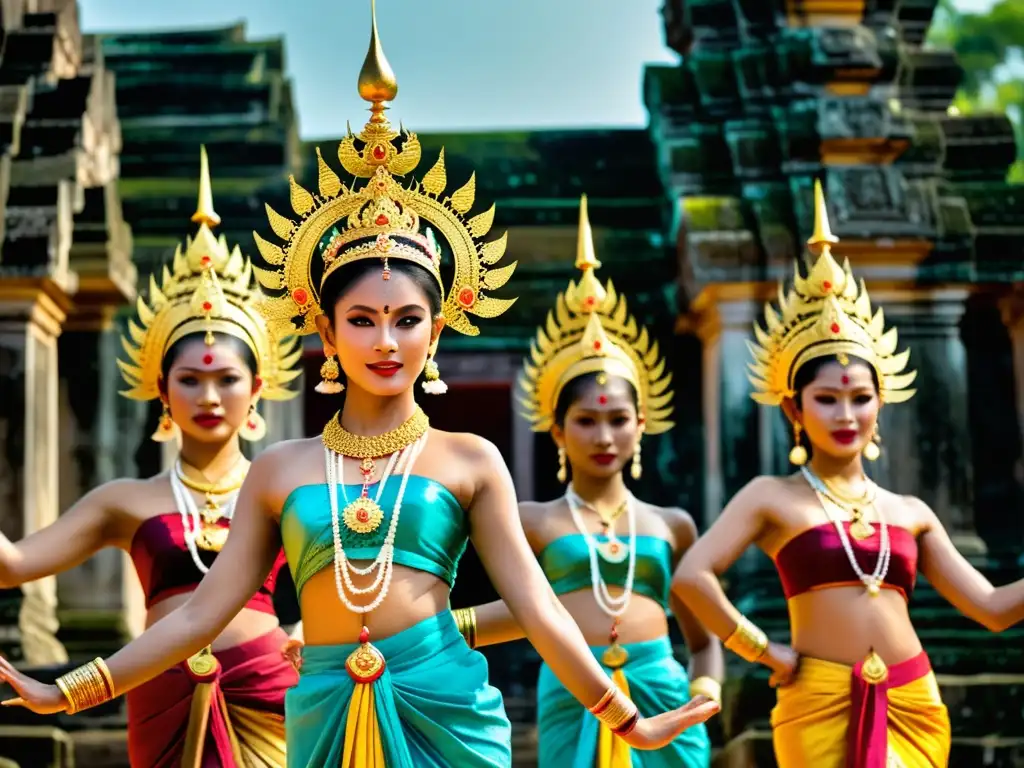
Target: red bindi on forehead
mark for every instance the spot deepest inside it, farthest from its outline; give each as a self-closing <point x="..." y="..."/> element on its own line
<point x="846" y="379"/>
<point x="207" y="359"/>
<point x="602" y="399"/>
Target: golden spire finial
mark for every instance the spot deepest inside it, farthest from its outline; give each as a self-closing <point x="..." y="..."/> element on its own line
<point x="822" y="237"/>
<point x="585" y="255"/>
<point x="377" y="82"/>
<point x="204" y="207"/>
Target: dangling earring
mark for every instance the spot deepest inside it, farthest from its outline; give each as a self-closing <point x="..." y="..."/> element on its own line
<point x="798" y="454"/>
<point x="255" y="428"/>
<point x="636" y="469"/>
<point x="329" y="372"/>
<point x="166" y="430"/>
<point x="562" y="473"/>
<point x="432" y="383"/>
<point x="871" y="450"/>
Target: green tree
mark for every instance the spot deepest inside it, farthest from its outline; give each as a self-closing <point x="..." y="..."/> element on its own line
<point x="990" y="48"/>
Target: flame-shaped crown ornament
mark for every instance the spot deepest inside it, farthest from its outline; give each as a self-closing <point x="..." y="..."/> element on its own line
<point x="209" y="289"/>
<point x="826" y="313"/>
<point x="590" y="330"/>
<point x="380" y="219"/>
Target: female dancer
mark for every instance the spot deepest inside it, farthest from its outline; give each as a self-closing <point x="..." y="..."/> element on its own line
<point x="847" y="551"/>
<point x="203" y="349"/>
<point x="597" y="384"/>
<point x="384" y="534"/>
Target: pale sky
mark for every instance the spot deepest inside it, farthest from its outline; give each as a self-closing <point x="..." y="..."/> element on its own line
<point x="461" y="64"/>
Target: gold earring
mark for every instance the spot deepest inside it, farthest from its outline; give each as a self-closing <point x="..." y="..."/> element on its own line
<point x="432" y="383"/>
<point x="255" y="428"/>
<point x="636" y="469"/>
<point x="329" y="372"/>
<point x="871" y="450"/>
<point x="166" y="430"/>
<point x="798" y="454"/>
<point x="562" y="472"/>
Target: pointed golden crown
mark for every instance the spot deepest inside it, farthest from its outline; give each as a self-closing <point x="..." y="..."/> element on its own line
<point x="380" y="219"/>
<point x="826" y="313"/>
<point x="209" y="288"/>
<point x="590" y="330"/>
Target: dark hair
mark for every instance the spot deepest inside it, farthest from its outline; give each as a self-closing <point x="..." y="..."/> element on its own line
<point x="808" y="372"/>
<point x="344" y="277"/>
<point x="239" y="347"/>
<point x="574" y="389"/>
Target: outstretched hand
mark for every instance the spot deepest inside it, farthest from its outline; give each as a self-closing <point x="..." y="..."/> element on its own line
<point x="660" y="730"/>
<point x="39" y="697"/>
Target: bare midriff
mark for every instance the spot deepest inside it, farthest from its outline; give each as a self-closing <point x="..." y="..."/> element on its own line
<point x="247" y="625"/>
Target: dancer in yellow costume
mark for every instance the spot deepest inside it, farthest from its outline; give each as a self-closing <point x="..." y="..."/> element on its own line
<point x="856" y="689"/>
<point x="200" y="346"/>
<point x="596" y="381"/>
<point x="375" y="513"/>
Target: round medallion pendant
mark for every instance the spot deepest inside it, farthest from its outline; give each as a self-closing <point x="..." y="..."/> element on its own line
<point x="365" y="664"/>
<point x="873" y="670"/>
<point x="363" y="515"/>
<point x="613" y="550"/>
<point x="203" y="664"/>
<point x="211" y="538"/>
<point x="861" y="530"/>
<point x="614" y="656"/>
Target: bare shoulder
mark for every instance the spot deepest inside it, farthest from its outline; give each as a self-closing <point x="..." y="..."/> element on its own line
<point x="679" y="521"/>
<point x="915" y="514"/>
<point x="129" y="496"/>
<point x="471" y="449"/>
<point x="533" y="513"/>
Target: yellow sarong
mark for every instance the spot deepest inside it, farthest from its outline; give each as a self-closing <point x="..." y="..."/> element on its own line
<point x="867" y="716"/>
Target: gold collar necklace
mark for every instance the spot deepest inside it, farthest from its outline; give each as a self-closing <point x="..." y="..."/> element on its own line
<point x="345" y="443"/>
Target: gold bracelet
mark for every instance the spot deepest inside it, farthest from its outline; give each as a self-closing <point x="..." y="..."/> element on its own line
<point x="747" y="641"/>
<point x="706" y="686"/>
<point x="87" y="686"/>
<point x="617" y="711"/>
<point x="465" y="620"/>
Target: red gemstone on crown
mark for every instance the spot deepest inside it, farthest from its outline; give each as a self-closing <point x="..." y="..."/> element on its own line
<point x="299" y="296"/>
<point x="207" y="306"/>
<point x="364" y="635"/>
<point x="205" y="260"/>
<point x="467" y="297"/>
<point x="590" y="301"/>
<point x="207" y="359"/>
<point x="381" y="220"/>
<point x="597" y="346"/>
<point x="835" y="327"/>
<point x="827" y="285"/>
<point x="379" y="153"/>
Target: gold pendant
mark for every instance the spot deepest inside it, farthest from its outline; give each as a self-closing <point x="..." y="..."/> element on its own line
<point x="211" y="511"/>
<point x="614" y="656"/>
<point x="363" y="515"/>
<point x="874" y="671"/>
<point x="861" y="529"/>
<point x="212" y="537"/>
<point x="365" y="664"/>
<point x="873" y="589"/>
<point x="203" y="664"/>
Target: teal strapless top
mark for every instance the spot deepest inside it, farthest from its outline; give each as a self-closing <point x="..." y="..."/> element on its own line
<point x="432" y="529"/>
<point x="567" y="565"/>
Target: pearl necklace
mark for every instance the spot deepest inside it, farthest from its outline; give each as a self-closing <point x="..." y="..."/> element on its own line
<point x="190" y="522"/>
<point x="384" y="562"/>
<point x="873" y="581"/>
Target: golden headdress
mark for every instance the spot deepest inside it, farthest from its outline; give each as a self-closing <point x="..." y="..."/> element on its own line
<point x="209" y="288"/>
<point x="826" y="313"/>
<point x="380" y="219"/>
<point x="590" y="330"/>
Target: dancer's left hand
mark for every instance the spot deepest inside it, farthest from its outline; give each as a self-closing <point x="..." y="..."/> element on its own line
<point x="660" y="730"/>
<point x="39" y="697"/>
<point x="292" y="651"/>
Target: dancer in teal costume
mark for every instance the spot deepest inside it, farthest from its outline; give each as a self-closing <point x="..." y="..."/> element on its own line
<point x="375" y="512"/>
<point x="595" y="381"/>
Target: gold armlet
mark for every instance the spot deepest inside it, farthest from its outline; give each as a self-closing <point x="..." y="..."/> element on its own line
<point x="87" y="686"/>
<point x="706" y="686"/>
<point x="616" y="711"/>
<point x="465" y="620"/>
<point x="747" y="641"/>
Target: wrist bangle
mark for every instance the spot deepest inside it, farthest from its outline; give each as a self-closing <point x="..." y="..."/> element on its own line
<point x="465" y="620"/>
<point x="747" y="641"/>
<point x="616" y="711"/>
<point x="706" y="686"/>
<point x="87" y="686"/>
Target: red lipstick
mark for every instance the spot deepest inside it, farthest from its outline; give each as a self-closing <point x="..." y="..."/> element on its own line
<point x="844" y="436"/>
<point x="208" y="420"/>
<point x="604" y="459"/>
<point x="387" y="369"/>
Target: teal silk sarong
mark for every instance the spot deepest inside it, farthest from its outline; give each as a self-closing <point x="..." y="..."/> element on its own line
<point x="657" y="683"/>
<point x="433" y="703"/>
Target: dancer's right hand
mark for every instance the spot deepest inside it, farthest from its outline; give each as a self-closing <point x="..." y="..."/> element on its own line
<point x="660" y="730"/>
<point x="783" y="661"/>
<point x="39" y="697"/>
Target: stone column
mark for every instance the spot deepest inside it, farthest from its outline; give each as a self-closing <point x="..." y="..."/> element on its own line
<point x="1012" y="309"/>
<point x="31" y="313"/>
<point x="926" y="442"/>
